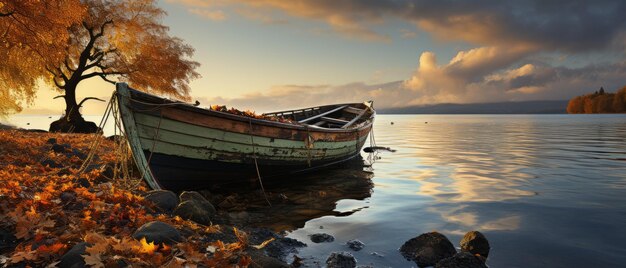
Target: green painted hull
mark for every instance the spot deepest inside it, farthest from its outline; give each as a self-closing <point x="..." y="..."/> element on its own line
<point x="185" y="138"/>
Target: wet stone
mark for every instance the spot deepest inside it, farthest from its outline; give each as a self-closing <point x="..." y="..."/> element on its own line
<point x="191" y="210"/>
<point x="322" y="237"/>
<point x="341" y="260"/>
<point x="461" y="260"/>
<point x="282" y="247"/>
<point x="198" y="199"/>
<point x="158" y="232"/>
<point x="355" y="244"/>
<point x="164" y="200"/>
<point x="427" y="249"/>
<point x="476" y="243"/>
<point x="73" y="258"/>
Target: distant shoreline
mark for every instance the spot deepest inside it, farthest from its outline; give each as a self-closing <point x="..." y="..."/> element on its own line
<point x="522" y="107"/>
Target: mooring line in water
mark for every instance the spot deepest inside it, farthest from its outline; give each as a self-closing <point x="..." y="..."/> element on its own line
<point x="256" y="164"/>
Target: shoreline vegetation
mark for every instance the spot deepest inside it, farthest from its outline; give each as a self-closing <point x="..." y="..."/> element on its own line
<point x="598" y="102"/>
<point x="57" y="211"/>
<point x="52" y="214"/>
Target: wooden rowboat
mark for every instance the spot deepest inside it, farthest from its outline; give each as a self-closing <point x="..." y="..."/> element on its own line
<point x="179" y="146"/>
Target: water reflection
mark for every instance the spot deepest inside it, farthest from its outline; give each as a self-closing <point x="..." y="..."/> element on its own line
<point x="300" y="198"/>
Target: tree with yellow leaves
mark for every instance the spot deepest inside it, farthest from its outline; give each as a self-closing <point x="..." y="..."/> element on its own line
<point x="33" y="34"/>
<point x="115" y="40"/>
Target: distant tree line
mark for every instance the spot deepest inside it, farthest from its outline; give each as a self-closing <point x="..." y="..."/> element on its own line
<point x="598" y="102"/>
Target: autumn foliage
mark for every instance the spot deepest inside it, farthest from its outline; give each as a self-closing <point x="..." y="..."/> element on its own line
<point x="598" y="102"/>
<point x="50" y="209"/>
<point x="64" y="42"/>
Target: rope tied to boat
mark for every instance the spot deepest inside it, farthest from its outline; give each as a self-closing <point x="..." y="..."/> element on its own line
<point x="256" y="164"/>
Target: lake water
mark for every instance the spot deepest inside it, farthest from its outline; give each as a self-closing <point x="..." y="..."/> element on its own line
<point x="546" y="190"/>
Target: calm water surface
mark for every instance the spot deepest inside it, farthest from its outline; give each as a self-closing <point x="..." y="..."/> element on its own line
<point x="546" y="190"/>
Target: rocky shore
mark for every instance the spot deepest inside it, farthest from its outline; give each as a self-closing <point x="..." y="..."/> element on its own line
<point x="54" y="213"/>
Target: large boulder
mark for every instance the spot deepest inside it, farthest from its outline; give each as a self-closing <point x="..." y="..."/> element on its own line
<point x="461" y="260"/>
<point x="341" y="260"/>
<point x="476" y="243"/>
<point x="73" y="258"/>
<point x="427" y="249"/>
<point x="158" y="232"/>
<point x="165" y="200"/>
<point x="195" y="207"/>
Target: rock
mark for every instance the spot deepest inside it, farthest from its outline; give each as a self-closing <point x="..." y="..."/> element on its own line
<point x="158" y="232"/>
<point x="195" y="207"/>
<point x="476" y="243"/>
<point x="163" y="199"/>
<point x="73" y="258"/>
<point x="257" y="236"/>
<point x="51" y="141"/>
<point x="82" y="182"/>
<point x="428" y="249"/>
<point x="68" y="196"/>
<point x="51" y="163"/>
<point x="61" y="148"/>
<point x="461" y="260"/>
<point x="355" y="244"/>
<point x="260" y="260"/>
<point x="322" y="237"/>
<point x="341" y="260"/>
<point x="7" y="241"/>
<point x="281" y="247"/>
<point x="297" y="261"/>
<point x="199" y="199"/>
<point x="190" y="210"/>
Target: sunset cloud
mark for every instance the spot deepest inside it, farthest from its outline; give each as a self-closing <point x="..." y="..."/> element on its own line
<point x="501" y="55"/>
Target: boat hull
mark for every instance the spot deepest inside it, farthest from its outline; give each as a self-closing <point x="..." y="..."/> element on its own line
<point x="177" y="146"/>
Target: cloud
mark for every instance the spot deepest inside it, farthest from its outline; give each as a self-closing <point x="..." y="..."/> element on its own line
<point x="508" y="61"/>
<point x="478" y="75"/>
<point x="561" y="25"/>
<point x="215" y="15"/>
<point x="408" y="34"/>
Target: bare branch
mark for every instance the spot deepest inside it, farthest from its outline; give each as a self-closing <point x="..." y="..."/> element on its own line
<point x="101" y="33"/>
<point x="104" y="77"/>
<point x="60" y="96"/>
<point x="67" y="65"/>
<point x="80" y="104"/>
<point x="56" y="83"/>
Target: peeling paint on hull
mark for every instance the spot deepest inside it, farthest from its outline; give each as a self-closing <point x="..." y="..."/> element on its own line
<point x="170" y="140"/>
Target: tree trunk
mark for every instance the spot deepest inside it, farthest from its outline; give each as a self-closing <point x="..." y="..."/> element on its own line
<point x="72" y="121"/>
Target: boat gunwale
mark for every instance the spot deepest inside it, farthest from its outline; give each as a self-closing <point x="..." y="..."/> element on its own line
<point x="188" y="107"/>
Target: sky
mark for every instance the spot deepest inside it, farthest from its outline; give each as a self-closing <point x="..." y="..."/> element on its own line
<point x="266" y="55"/>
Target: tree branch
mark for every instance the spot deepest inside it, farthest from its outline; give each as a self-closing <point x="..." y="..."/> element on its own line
<point x="104" y="77"/>
<point x="67" y="65"/>
<point x="80" y="104"/>
<point x="56" y="83"/>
